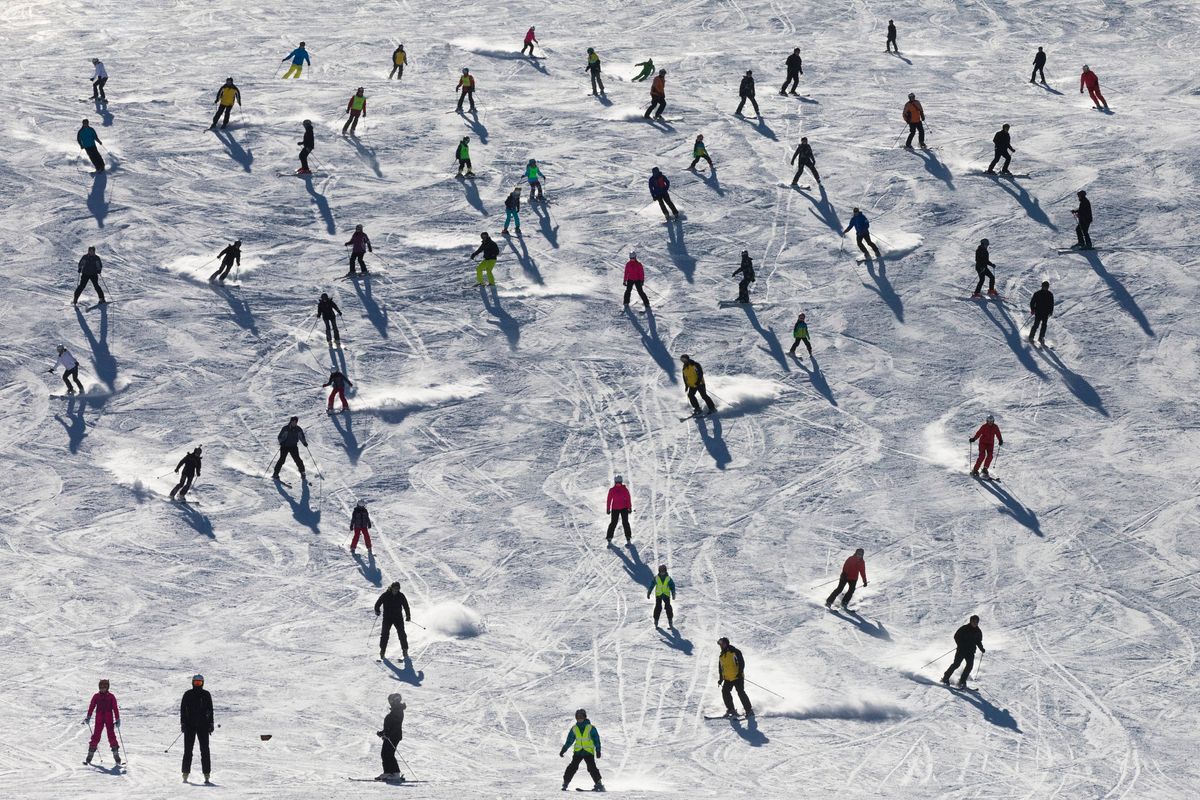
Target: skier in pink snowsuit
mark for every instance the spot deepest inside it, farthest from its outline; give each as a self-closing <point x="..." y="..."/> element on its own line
<point x="108" y="715"/>
<point x="1088" y="79"/>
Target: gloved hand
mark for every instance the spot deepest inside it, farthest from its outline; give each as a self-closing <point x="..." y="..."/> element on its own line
<point x="211" y="729"/>
<point x="597" y="755"/>
<point x="562" y="753"/>
<point x="117" y="723"/>
<point x="982" y="650"/>
<point x="864" y="584"/>
<point x="377" y="612"/>
<point x="718" y="681"/>
<point x="87" y="721"/>
<point x="379" y="734"/>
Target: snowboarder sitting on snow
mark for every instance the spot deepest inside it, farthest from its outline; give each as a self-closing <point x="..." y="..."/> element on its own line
<point x="104" y="705"/>
<point x="800" y="334"/>
<point x="795" y="68"/>
<point x="490" y="253"/>
<point x="359" y="244"/>
<point x="805" y="158"/>
<point x="190" y="464"/>
<point x="982" y="262"/>
<point x="635" y="276"/>
<point x="746" y="92"/>
<point x="699" y="151"/>
<point x="70" y="369"/>
<point x="399" y="59"/>
<point x="584" y="740"/>
<point x="534" y="175"/>
<point x="395" y="612"/>
<point x="914" y="115"/>
<point x="647" y="70"/>
<point x="392" y="733"/>
<point x="230" y="255"/>
<point x="90" y="267"/>
<point x="463" y="154"/>
<point x="593" y="67"/>
<point x="290" y="436"/>
<point x="660" y="190"/>
<point x="664" y="593"/>
<point x="658" y="95"/>
<point x="466" y="87"/>
<point x="306" y="143"/>
<point x="196" y="725"/>
<point x="966" y="639"/>
<point x="854" y="568"/>
<point x="356" y="107"/>
<point x="299" y="58"/>
<point x="988" y="436"/>
<point x="227" y="95"/>
<point x="329" y="311"/>
<point x="360" y="523"/>
<point x="731" y="675"/>
<point x="746" y="270"/>
<point x="88" y="139"/>
<point x="1003" y="142"/>
<point x="619" y="506"/>
<point x="339" y="382"/>
<point x="512" y="210"/>
<point x="693" y="379"/>
<point x="1041" y="305"/>
<point x="862" y="232"/>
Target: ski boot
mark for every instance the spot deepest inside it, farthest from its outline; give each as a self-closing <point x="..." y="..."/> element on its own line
<point x="185" y="777"/>
<point x="985" y="473"/>
<point x="207" y="782"/>
<point x="945" y="680"/>
<point x="381" y="655"/>
<point x="116" y="756"/>
<point x="993" y="293"/>
<point x="91" y="752"/>
<point x="599" y="787"/>
<point x="974" y="474"/>
<point x="975" y="294"/>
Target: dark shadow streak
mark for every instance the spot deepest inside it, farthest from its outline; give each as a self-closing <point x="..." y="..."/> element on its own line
<point x="817" y="378"/>
<point x="345" y="426"/>
<point x="369" y="570"/>
<point x="301" y="510"/>
<point x="367" y="154"/>
<point x="1013" y="507"/>
<point x="106" y="365"/>
<point x="876" y="631"/>
<point x="1083" y="391"/>
<point x="768" y="335"/>
<point x="652" y="343"/>
<point x="508" y="326"/>
<point x="1012" y="335"/>
<point x="883" y="286"/>
<point x="678" y="251"/>
<point x="714" y="442"/>
<point x="1000" y="717"/>
<point x="549" y="230"/>
<point x="241" y="310"/>
<point x="824" y="210"/>
<point x="321" y="203"/>
<point x="528" y="265"/>
<point x="1119" y="292"/>
<point x="406" y="673"/>
<point x="97" y="205"/>
<point x="243" y="157"/>
<point x="377" y="314"/>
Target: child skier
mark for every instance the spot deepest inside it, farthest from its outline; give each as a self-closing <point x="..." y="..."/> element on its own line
<point x="490" y="253"/>
<point x="635" y="276"/>
<point x="339" y="382"/>
<point x="360" y="523"/>
<point x="533" y="174"/>
<point x="329" y="311"/>
<point x="699" y="151"/>
<point x="360" y="245"/>
<point x="800" y="334"/>
<point x="664" y="593"/>
<point x="462" y="154"/>
<point x="392" y="733"/>
<point x="512" y="210"/>
<point x="988" y="436"/>
<point x="70" y="369"/>
<point x="584" y="740"/>
<point x="108" y="716"/>
<point x="299" y="58"/>
<point x="190" y="464"/>
<point x="746" y="270"/>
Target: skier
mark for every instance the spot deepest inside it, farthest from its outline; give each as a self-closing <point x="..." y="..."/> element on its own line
<point x="360" y="523"/>
<point x="914" y="115"/>
<point x="190" y="464"/>
<point x="699" y="151"/>
<point x="982" y="262"/>
<point x="356" y="107"/>
<point x="635" y="276"/>
<point x="306" y="146"/>
<point x="693" y="379"/>
<point x="230" y="255"/>
<point x="393" y="732"/>
<point x="490" y="253"/>
<point x="1003" y="143"/>
<point x="746" y="270"/>
<point x="988" y="436"/>
<point x="854" y="568"/>
<point x="530" y="41"/>
<point x="99" y="78"/>
<point x="299" y="58"/>
<point x="891" y="38"/>
<point x="512" y="210"/>
<point x="108" y="716"/>
<point x="746" y="92"/>
<point x="533" y="174"/>
<point x="584" y="740"/>
<point x="803" y="157"/>
<point x="462" y="154"/>
<point x="1041" y="306"/>
<point x="731" y="675"/>
<point x="227" y="95"/>
<point x="289" y="437"/>
<point x="395" y="613"/>
<point x="70" y="369"/>
<point x="329" y="311"/>
<point x="466" y="87"/>
<point x="1083" y="221"/>
<point x="1039" y="66"/>
<point x="1089" y="80"/>
<point x="399" y="59"/>
<point x="593" y="67"/>
<point x="800" y="334"/>
<point x="664" y="593"/>
<point x="359" y="245"/>
<point x="658" y="95"/>
<point x="196" y="724"/>
<point x="966" y="639"/>
<point x="339" y="382"/>
<point x="619" y="505"/>
<point x="795" y="68"/>
<point x="90" y="268"/>
<point x="862" y="232"/>
<point x="88" y="139"/>
<point x="647" y="70"/>
<point x="660" y="190"/>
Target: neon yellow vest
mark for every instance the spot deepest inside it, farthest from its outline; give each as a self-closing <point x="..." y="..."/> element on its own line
<point x="228" y="95"/>
<point x="357" y="102"/>
<point x="583" y="739"/>
<point x="662" y="587"/>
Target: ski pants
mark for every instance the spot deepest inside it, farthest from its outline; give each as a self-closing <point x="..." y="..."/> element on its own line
<point x="727" y="689"/>
<point x="641" y="76"/>
<point x="753" y="102"/>
<point x="961" y="656"/>
<point x="796" y="344"/>
<point x="304" y="151"/>
<point x="664" y="203"/>
<point x="83" y="282"/>
<point x="469" y="96"/>
<point x="356" y="256"/>
<point x="848" y="584"/>
<point x="185" y="483"/>
<point x="984" y="272"/>
<point x="915" y="129"/>
<point x="744" y="290"/>
<point x="660" y="602"/>
<point x="527" y="46"/>
<point x="98" y="88"/>
<point x="536" y="186"/>
<point x="284" y="452"/>
<point x="513" y="217"/>
<point x="621" y="514"/>
<point x="293" y="71"/>
<point x="397" y="72"/>
<point x="1081" y="233"/>
<point x="189" y="737"/>
<point x="696" y="161"/>
<point x="352" y="123"/>
<point x="811" y="167"/>
<point x="794" y="79"/>
<point x="341" y="395"/>
<point x="1007" y="156"/>
<point x="103" y="724"/>
<point x="97" y="159"/>
<point x="222" y="111"/>
<point x="1039" y="319"/>
<point x="597" y="82"/>
<point x="223" y="271"/>
<point x="657" y="106"/>
<point x="483" y="266"/>
<point x="1038" y="71"/>
<point x="388" y="624"/>
<point x="72" y="374"/>
<point x="331" y="330"/>
<point x="388" y="755"/>
<point x="366" y="537"/>
<point x="588" y="760"/>
<point x="865" y="236"/>
<point x="985" y="458"/>
<point x="691" y="393"/>
<point x="630" y="286"/>
<point x="1097" y="98"/>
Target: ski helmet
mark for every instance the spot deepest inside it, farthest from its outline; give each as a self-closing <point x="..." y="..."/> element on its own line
<point x="990" y="418"/>
<point x="912" y="96"/>
<point x="749" y="72"/>
<point x="1086" y="67"/>
<point x="662" y="569"/>
<point x="361" y="503"/>
<point x="302" y="44"/>
<point x="360" y="90"/>
<point x="465" y="71"/>
<point x="197" y="680"/>
<point x="581" y="713"/>
<point x="294" y="419"/>
<point x="199" y="448"/>
<point x="358" y="227"/>
<point x="229" y="79"/>
<point x="801" y="315"/>
<point x="104" y="683"/>
<point x="590" y="50"/>
<point x="632" y="256"/>
<point x="62" y="349"/>
<point x="618" y="479"/>
<point x="983" y="241"/>
<point x="308" y="123"/>
<point x="395" y="585"/>
<point x="97" y="61"/>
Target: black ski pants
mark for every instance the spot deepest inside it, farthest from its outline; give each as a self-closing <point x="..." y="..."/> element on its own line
<point x="304" y="151"/>
<point x="812" y="168"/>
<point x="984" y="272"/>
<point x="1038" y="71"/>
<point x="468" y="96"/>
<point x="657" y="106"/>
<point x="865" y="236"/>
<point x="185" y="483"/>
<point x="397" y="72"/>
<point x="72" y="374"/>
<point x="388" y="624"/>
<point x="1039" y="319"/>
<point x="588" y="760"/>
<point x="664" y="203"/>
<point x="696" y="161"/>
<point x="190" y="737"/>
<point x="98" y="88"/>
<point x="727" y="689"/>
<point x="843" y="583"/>
<point x="387" y="753"/>
<point x="352" y="123"/>
<point x="794" y="79"/>
<point x="891" y="43"/>
<point x="1007" y="156"/>
<point x="597" y="82"/>
<point x="292" y="451"/>
<point x="691" y="393"/>
<point x="97" y="159"/>
<point x="1081" y="233"/>
<point x="464" y="163"/>
<point x="744" y="290"/>
<point x="357" y="258"/>
<point x="961" y="656"/>
<point x="796" y="344"/>
<point x="331" y="330"/>
<point x="630" y="286"/>
<point x="753" y="102"/>
<point x="222" y="111"/>
<point x="83" y="281"/>
<point x="915" y="129"/>
<point x="621" y="514"/>
<point x="223" y="271"/>
<point x="662" y="601"/>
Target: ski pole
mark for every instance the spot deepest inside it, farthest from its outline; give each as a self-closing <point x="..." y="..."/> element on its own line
<point x="272" y="458"/>
<point x="765" y="689"/>
<point x="939" y="658"/>
<point x="396" y="752"/>
<point x="371" y="635"/>
<point x="419" y="625"/>
<point x="314" y="460"/>
<point x="172" y="744"/>
<point x="126" y="749"/>
<point x="979" y="667"/>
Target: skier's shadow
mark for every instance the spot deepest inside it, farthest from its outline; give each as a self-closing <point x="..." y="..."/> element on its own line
<point x="528" y="265"/>
<point x="748" y="730"/>
<point x="1033" y="208"/>
<point x="113" y="770"/>
<point x="714" y="442"/>
<point x="345" y="426"/>
<point x="366" y="153"/>
<point x="1000" y="717"/>
<point x="637" y="569"/>
<point x="74" y="424"/>
<point x="477" y="127"/>
<point x="508" y="326"/>
<point x="1012" y="335"/>
<point x="302" y="511"/>
<point x="604" y="101"/>
<point x="97" y="205"/>
<point x="241" y="310"/>
<point x="817" y="378"/>
<point x="106" y="365"/>
<point x="377" y="315"/>
<point x="369" y="570"/>
<point x="659" y="124"/>
<point x="338" y="359"/>
<point x="768" y="334"/>
<point x="902" y="58"/>
<point x="472" y="194"/>
<point x="1079" y="386"/>
<point x="321" y="203"/>
<point x="405" y="673"/>
<point x="712" y="182"/>
<point x="876" y="631"/>
<point x="549" y="230"/>
<point x="765" y="129"/>
<point x="936" y="168"/>
<point x="673" y="639"/>
<point x="1013" y="507"/>
<point x="196" y="521"/>
<point x="677" y="249"/>
<point x="243" y="157"/>
<point x="883" y="286"/>
<point x="824" y="210"/>
<point x="652" y="343"/>
<point x="1119" y="292"/>
<point x="1049" y="88"/>
<point x="106" y="118"/>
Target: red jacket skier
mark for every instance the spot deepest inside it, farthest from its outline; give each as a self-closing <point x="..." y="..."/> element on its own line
<point x="988" y="435"/>
<point x="104" y="706"/>
<point x="530" y="40"/>
<point x="618" y="506"/>
<point x="1089" y="80"/>
<point x="854" y="568"/>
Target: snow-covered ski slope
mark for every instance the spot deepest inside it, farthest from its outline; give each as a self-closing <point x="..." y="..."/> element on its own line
<point x="487" y="428"/>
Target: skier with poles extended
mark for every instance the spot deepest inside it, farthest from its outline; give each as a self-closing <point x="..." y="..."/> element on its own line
<point x="658" y="95"/>
<point x="70" y="369"/>
<point x="854" y="568"/>
<point x="700" y="151"/>
<point x="664" y="593"/>
<point x="339" y="382"/>
<point x="108" y="717"/>
<point x="693" y="380"/>
<point x="862" y="233"/>
<point x="891" y="38"/>
<point x="647" y="70"/>
<point x="1003" y="143"/>
<point x="1039" y="66"/>
<point x="660" y="190"/>
<point x="795" y="68"/>
<point x="307" y="143"/>
<point x="584" y="741"/>
<point x="593" y="67"/>
<point x="196" y="724"/>
<point x="1083" y="221"/>
<point x="490" y="252"/>
<point x="512" y="210"/>
<point x="1041" y="306"/>
<point x="534" y="175"/>
<point x="966" y="639"/>
<point x="190" y="464"/>
<point x="393" y="732"/>
<point x="530" y="41"/>
<point x="329" y="312"/>
<point x="1088" y="79"/>
<point x="359" y="244"/>
<point x="99" y="78"/>
<point x="89" y="269"/>
<point x="395" y="612"/>
<point x="462" y="154"/>
<point x="360" y="523"/>
<point x="914" y="115"/>
<point x="299" y="58"/>
<point x="399" y="59"/>
<point x="746" y="270"/>
<point x="466" y="88"/>
<point x="746" y="92"/>
<point x="982" y="262"/>
<point x="290" y="436"/>
<point x="989" y="436"/>
<point x="800" y="334"/>
<point x="88" y="139"/>
<point x="731" y="676"/>
<point x="230" y="255"/>
<point x="227" y="95"/>
<point x="356" y="107"/>
<point x="635" y="276"/>
<point x="619" y="506"/>
<point x="803" y="157"/>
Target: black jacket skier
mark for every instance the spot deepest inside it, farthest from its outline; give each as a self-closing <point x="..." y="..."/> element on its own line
<point x="982" y="262"/>
<point x="891" y="38"/>
<point x="1041" y="305"/>
<point x="746" y="92"/>
<point x="488" y="247"/>
<point x="196" y="723"/>
<point x="329" y="311"/>
<point x="307" y="143"/>
<point x="395" y="613"/>
<point x="290" y="436"/>
<point x="229" y="256"/>
<point x="804" y="155"/>
<point x="1039" y="66"/>
<point x="392" y="733"/>
<point x="966" y="639"/>
<point x="746" y="270"/>
<point x="1004" y="148"/>
<point x="1083" y="221"/>
<point x="795" y="68"/>
<point x="191" y="469"/>
<point x="90" y="268"/>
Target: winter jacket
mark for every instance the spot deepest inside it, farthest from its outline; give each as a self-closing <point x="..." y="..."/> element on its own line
<point x="987" y="433"/>
<point x="326" y="308"/>
<point x="307" y="139"/>
<point x="66" y="360"/>
<point x="87" y="137"/>
<point x="338" y="381"/>
<point x="1003" y="141"/>
<point x="467" y="83"/>
<point x="291" y="436"/>
<point x="746" y="88"/>
<point x="634" y="270"/>
<point x="795" y="65"/>
<point x="513" y="202"/>
<point x="587" y="729"/>
<point x="618" y="498"/>
<point x="229" y="94"/>
<point x="462" y="152"/>
<point x="967" y="638"/>
<point x="1039" y="59"/>
<point x="489" y="248"/>
<point x="99" y="71"/>
<point x="746" y="269"/>
<point x="357" y="102"/>
<point x="699" y="150"/>
<point x="981" y="258"/>
<point x="855" y="568"/>
<point x="658" y="87"/>
<point x="800" y="331"/>
<point x="196" y="710"/>
<point x="804" y="154"/>
<point x="730" y="664"/>
<point x="891" y="30"/>
<point x="359" y="242"/>
<point x="530" y="36"/>
<point x="190" y="464"/>
<point x="393" y="723"/>
<point x="360" y="518"/>
<point x="860" y="223"/>
<point x="693" y="374"/>
<point x="913" y="113"/>
<point x="1084" y="211"/>
<point x="395" y="606"/>
<point x="1089" y="80"/>
<point x="230" y="254"/>
<point x="1042" y="303"/>
<point x="533" y="173"/>
<point x="298" y="56"/>
<point x="660" y="185"/>
<point x="104" y="705"/>
<point x="593" y="64"/>
<point x="90" y="264"/>
<point x="399" y="57"/>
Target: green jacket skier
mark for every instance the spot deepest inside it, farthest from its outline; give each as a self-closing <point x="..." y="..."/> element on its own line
<point x="647" y="70"/>
<point x="800" y="332"/>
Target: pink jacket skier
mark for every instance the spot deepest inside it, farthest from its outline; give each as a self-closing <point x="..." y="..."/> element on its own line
<point x="635" y="275"/>
<point x="530" y="40"/>
<point x="618" y="505"/>
<point x="108" y="715"/>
